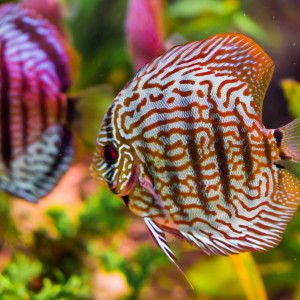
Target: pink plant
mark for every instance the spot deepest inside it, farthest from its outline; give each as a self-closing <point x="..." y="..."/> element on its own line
<point x="144" y="30"/>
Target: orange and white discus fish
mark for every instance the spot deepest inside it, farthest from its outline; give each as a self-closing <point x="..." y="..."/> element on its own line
<point x="184" y="146"/>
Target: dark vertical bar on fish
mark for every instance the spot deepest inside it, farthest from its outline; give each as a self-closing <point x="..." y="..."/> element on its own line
<point x="48" y="48"/>
<point x="43" y="106"/>
<point x="6" y="144"/>
<point x="24" y="110"/>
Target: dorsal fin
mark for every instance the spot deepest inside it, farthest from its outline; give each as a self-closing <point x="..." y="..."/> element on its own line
<point x="230" y="55"/>
<point x="238" y="56"/>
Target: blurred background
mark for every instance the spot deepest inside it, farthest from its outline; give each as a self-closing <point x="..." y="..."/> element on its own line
<point x="80" y="242"/>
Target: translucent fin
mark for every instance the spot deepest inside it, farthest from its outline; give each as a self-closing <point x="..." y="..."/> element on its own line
<point x="290" y="144"/>
<point x="147" y="184"/>
<point x="160" y="238"/>
<point x="35" y="174"/>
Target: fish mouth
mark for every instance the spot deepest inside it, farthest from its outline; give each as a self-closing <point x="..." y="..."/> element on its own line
<point x="133" y="179"/>
<point x="126" y="200"/>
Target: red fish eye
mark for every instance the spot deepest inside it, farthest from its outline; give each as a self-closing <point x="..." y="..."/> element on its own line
<point x="110" y="154"/>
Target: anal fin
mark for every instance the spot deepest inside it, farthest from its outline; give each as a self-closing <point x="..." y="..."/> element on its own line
<point x="288" y="194"/>
<point x="264" y="225"/>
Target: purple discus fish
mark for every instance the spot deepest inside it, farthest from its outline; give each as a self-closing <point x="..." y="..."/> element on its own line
<point x="36" y="146"/>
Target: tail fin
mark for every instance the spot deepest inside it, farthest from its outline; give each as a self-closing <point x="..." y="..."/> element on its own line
<point x="288" y="138"/>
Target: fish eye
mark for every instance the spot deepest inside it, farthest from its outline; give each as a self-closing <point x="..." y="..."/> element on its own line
<point x="109" y="153"/>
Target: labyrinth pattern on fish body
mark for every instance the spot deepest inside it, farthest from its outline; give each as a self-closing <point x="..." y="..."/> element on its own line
<point x="193" y="118"/>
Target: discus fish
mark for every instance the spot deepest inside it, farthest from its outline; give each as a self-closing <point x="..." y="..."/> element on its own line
<point x="184" y="146"/>
<point x="36" y="147"/>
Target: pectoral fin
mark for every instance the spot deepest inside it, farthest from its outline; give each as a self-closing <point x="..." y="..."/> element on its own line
<point x="147" y="184"/>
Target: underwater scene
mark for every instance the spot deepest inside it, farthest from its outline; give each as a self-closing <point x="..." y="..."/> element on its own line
<point x="149" y="149"/>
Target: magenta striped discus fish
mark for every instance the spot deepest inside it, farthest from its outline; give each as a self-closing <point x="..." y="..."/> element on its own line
<point x="184" y="146"/>
<point x="36" y="146"/>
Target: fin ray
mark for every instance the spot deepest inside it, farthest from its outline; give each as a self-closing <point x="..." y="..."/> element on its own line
<point x="290" y="146"/>
<point x="160" y="239"/>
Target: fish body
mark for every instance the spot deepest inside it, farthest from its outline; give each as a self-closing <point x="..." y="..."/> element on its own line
<point x="36" y="146"/>
<point x="184" y="146"/>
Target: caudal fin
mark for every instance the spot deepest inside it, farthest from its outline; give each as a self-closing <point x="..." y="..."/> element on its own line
<point x="288" y="138"/>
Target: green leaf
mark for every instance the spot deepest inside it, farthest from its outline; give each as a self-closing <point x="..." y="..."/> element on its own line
<point x="103" y="213"/>
<point x="249" y="27"/>
<point x="62" y="222"/>
<point x="193" y="8"/>
<point x="291" y="90"/>
<point x="21" y="270"/>
<point x="16" y="277"/>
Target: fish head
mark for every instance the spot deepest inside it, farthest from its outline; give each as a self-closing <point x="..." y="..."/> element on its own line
<point x="115" y="162"/>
